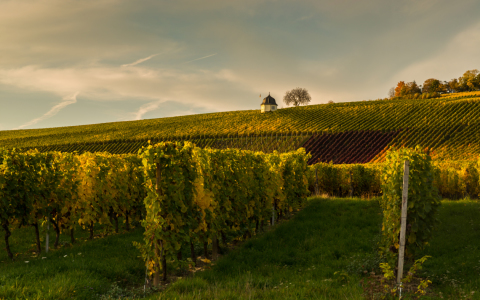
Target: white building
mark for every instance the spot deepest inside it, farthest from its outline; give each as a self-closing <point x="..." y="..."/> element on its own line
<point x="268" y="104"/>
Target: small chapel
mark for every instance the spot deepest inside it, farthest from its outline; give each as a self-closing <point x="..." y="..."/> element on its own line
<point x="268" y="104"/>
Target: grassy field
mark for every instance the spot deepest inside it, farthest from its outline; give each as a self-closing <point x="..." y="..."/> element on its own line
<point x="296" y="260"/>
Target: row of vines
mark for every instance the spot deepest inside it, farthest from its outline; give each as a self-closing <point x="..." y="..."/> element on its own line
<point x="197" y="195"/>
<point x="452" y="179"/>
<point x="64" y="189"/>
<point x="266" y="143"/>
<point x="348" y="147"/>
<point x="182" y="194"/>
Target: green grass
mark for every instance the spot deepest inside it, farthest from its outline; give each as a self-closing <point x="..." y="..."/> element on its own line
<point x="83" y="271"/>
<point x="454" y="267"/>
<point x="296" y="260"/>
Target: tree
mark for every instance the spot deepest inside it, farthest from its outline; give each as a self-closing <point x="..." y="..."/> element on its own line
<point x="433" y="85"/>
<point x="454" y="86"/>
<point x="297" y="96"/>
<point x="400" y="89"/>
<point x="391" y="92"/>
<point x="412" y="88"/>
<point x="470" y="80"/>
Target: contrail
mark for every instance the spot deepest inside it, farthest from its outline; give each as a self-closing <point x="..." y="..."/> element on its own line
<point x="200" y="58"/>
<point x="140" y="61"/>
<point x="53" y="111"/>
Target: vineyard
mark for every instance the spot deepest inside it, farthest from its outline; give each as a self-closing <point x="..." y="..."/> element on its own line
<point x="265" y="143"/>
<point x="183" y="194"/>
<point x="342" y="148"/>
<point x="449" y="125"/>
<point x="187" y="198"/>
<point x="452" y="179"/>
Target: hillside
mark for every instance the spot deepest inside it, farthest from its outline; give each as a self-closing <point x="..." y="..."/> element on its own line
<point x="450" y="125"/>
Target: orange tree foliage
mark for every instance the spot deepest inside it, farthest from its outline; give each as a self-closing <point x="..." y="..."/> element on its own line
<point x="400" y="89"/>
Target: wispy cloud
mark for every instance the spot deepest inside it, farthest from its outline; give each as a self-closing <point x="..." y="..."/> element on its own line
<point x="53" y="111"/>
<point x="146" y="108"/>
<point x="140" y="61"/>
<point x="110" y="83"/>
<point x="200" y="58"/>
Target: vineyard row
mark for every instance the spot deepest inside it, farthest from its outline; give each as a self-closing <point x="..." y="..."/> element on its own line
<point x="452" y="179"/>
<point x="182" y="194"/>
<point x="447" y="142"/>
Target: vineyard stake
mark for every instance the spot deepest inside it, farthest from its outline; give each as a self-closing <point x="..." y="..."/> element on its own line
<point x="273" y="214"/>
<point x="316" y="181"/>
<point x="156" y="278"/>
<point x="47" y="238"/>
<point x="146" y="275"/>
<point x="403" y="219"/>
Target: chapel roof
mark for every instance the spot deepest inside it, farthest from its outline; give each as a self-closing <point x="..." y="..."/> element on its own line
<point x="269" y="100"/>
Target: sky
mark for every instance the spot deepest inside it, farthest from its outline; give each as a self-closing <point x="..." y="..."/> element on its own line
<point x="70" y="62"/>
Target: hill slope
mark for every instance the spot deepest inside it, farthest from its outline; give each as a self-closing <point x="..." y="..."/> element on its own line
<point x="450" y="125"/>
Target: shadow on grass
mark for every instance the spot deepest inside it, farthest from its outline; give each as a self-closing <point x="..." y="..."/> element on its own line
<point x="82" y="271"/>
<point x="297" y="260"/>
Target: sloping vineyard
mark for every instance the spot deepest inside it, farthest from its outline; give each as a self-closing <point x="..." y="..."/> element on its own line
<point x="347" y="147"/>
<point x="449" y="125"/>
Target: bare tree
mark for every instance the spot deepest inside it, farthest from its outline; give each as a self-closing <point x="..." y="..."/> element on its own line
<point x="391" y="92"/>
<point x="297" y="96"/>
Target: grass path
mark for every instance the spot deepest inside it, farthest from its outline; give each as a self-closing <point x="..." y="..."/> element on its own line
<point x="295" y="261"/>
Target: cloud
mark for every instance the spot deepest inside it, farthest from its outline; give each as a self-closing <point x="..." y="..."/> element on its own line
<point x="140" y="61"/>
<point x="344" y="50"/>
<point x="136" y="83"/>
<point x="66" y="32"/>
<point x="201" y="58"/>
<point x="146" y="108"/>
<point x="53" y="111"/>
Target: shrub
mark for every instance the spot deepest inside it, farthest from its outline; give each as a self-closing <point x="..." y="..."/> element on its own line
<point x="423" y="203"/>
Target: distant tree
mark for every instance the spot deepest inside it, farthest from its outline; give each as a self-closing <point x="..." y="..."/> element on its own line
<point x="391" y="92"/>
<point x="470" y="81"/>
<point x="433" y="85"/>
<point x="412" y="88"/>
<point x="447" y="87"/>
<point x="430" y="85"/>
<point x="400" y="89"/>
<point x="297" y="96"/>
<point x="454" y="86"/>
<point x="330" y="102"/>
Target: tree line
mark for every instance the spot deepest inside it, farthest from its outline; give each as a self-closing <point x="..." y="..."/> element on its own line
<point x="432" y="87"/>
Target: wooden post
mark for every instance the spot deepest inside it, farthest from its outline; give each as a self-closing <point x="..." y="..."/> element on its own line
<point x="403" y="224"/>
<point x="214" y="247"/>
<point x="156" y="276"/>
<point x="47" y="239"/>
<point x="316" y="182"/>
<point x="273" y="214"/>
